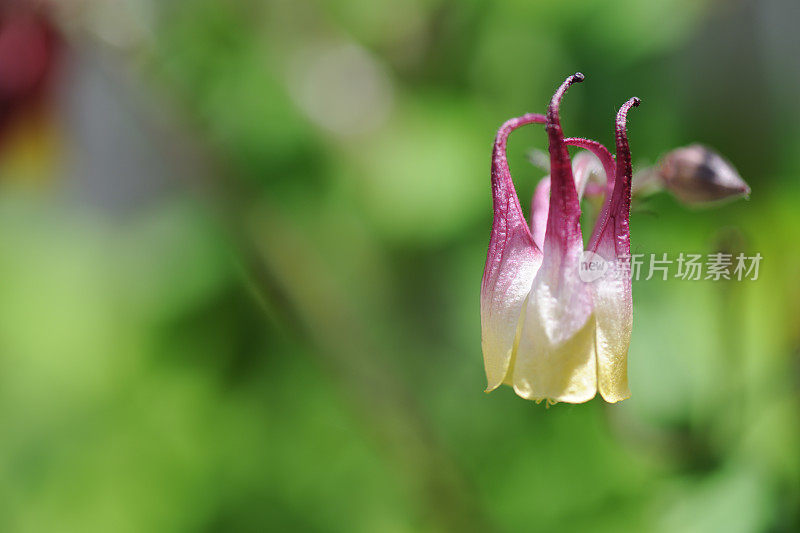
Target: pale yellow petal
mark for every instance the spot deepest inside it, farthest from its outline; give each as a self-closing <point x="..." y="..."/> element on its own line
<point x="614" y="316"/>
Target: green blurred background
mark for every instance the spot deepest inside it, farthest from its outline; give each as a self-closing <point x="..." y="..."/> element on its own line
<point x="241" y="245"/>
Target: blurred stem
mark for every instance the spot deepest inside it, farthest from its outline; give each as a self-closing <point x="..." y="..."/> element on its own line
<point x="731" y="327"/>
<point x="293" y="285"/>
<point x="332" y="325"/>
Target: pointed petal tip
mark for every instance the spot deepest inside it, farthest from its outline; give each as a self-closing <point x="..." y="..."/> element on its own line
<point x="490" y="387"/>
<point x="745" y="192"/>
<point x="615" y="399"/>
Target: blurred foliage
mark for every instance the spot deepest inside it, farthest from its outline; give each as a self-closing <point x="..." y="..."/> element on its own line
<point x="297" y="346"/>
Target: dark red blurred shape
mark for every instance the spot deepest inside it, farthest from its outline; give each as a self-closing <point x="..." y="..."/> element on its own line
<point x="29" y="50"/>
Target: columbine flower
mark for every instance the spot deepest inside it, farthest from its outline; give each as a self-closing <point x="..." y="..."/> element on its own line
<point x="545" y="331"/>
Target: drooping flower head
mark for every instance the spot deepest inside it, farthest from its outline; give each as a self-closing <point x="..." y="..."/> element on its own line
<point x="546" y="331"/>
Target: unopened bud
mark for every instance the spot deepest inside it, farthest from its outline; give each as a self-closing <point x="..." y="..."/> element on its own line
<point x="696" y="175"/>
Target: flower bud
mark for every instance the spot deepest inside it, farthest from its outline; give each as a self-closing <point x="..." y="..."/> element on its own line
<point x="697" y="175"/>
